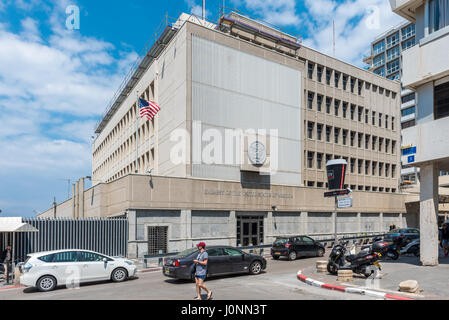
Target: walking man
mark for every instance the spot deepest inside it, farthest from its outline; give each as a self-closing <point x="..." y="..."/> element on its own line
<point x="445" y="239"/>
<point x="201" y="271"/>
<point x="6" y="260"/>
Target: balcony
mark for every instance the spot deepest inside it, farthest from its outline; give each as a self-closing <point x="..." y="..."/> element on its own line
<point x="425" y="62"/>
<point x="406" y="8"/>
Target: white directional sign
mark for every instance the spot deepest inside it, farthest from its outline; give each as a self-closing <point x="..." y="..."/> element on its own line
<point x="345" y="202"/>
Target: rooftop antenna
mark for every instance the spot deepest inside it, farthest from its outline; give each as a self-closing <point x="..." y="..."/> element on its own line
<point x="333" y="27"/>
<point x="204" y="9"/>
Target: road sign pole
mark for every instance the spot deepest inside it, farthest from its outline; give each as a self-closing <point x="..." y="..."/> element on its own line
<point x="335" y="220"/>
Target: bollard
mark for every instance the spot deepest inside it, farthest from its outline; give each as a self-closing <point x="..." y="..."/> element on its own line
<point x="145" y="264"/>
<point x="345" y="275"/>
<point x="321" y="266"/>
<point x="410" y="286"/>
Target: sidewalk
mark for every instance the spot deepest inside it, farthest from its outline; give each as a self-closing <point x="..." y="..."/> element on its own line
<point x="433" y="281"/>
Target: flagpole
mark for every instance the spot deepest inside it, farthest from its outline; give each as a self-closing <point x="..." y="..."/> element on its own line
<point x="137" y="128"/>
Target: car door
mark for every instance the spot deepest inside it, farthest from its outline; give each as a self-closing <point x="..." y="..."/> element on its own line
<point x="216" y="262"/>
<point x="308" y="245"/>
<point x="299" y="246"/>
<point x="236" y="260"/>
<point x="93" y="266"/>
<point x="66" y="267"/>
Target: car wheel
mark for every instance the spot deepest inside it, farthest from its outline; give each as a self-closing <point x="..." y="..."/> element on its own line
<point x="320" y="252"/>
<point x="332" y="269"/>
<point x="292" y="256"/>
<point x="276" y="257"/>
<point x="119" y="275"/>
<point x="255" y="267"/>
<point x="46" y="283"/>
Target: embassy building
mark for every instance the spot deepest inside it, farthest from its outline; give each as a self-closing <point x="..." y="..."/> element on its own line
<point x="237" y="154"/>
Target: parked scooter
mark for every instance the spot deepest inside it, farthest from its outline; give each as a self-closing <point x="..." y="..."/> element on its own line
<point x="386" y="249"/>
<point x="365" y="262"/>
<point x="412" y="248"/>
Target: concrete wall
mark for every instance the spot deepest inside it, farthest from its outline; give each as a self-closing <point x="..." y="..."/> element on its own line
<point x="232" y="89"/>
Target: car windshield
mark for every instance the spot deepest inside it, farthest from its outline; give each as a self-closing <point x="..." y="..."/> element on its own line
<point x="187" y="252"/>
<point x="280" y="241"/>
<point x="395" y="231"/>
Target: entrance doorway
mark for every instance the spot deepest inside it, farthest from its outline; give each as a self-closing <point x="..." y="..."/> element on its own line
<point x="250" y="230"/>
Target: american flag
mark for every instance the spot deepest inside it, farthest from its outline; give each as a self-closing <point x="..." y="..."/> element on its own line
<point x="148" y="109"/>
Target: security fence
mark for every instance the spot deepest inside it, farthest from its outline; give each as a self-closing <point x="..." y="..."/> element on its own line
<point x="106" y="236"/>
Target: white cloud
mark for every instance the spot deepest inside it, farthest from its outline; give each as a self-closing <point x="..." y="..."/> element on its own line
<point x="354" y="27"/>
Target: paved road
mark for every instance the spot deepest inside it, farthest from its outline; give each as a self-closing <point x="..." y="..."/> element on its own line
<point x="279" y="282"/>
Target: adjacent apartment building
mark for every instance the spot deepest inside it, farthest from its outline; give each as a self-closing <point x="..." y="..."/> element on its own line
<point x="249" y="117"/>
<point x="426" y="71"/>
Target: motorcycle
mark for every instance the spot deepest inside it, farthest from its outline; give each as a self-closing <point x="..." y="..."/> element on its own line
<point x="364" y="263"/>
<point x="412" y="248"/>
<point x="386" y="249"/>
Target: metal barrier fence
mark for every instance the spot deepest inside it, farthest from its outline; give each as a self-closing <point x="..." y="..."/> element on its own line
<point x="106" y="236"/>
<point x="361" y="238"/>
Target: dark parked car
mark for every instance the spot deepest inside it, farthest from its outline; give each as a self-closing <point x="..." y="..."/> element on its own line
<point x="222" y="260"/>
<point x="406" y="234"/>
<point x="297" y="246"/>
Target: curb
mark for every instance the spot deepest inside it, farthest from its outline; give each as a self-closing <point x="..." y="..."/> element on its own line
<point x="149" y="270"/>
<point x="12" y="287"/>
<point x="353" y="290"/>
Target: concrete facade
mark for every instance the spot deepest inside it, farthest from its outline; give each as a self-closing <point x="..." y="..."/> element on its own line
<point x="426" y="70"/>
<point x="228" y="77"/>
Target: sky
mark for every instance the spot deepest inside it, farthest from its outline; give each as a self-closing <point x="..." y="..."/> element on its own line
<point x="57" y="76"/>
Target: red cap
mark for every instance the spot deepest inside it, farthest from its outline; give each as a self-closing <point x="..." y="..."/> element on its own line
<point x="201" y="244"/>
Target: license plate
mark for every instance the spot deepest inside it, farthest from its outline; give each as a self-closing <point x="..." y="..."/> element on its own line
<point x="377" y="264"/>
<point x="277" y="253"/>
<point x="167" y="271"/>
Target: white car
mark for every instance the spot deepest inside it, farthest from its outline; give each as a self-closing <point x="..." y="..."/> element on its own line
<point x="46" y="270"/>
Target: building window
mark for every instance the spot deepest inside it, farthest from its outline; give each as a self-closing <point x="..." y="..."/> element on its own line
<point x="373" y="118"/>
<point x="367" y="138"/>
<point x="319" y="161"/>
<point x="328" y="158"/>
<point x="328" y="76"/>
<point x="352" y="111"/>
<point x="157" y="240"/>
<point x="336" y="135"/>
<point x="381" y="141"/>
<point x="352" y="84"/>
<point x="328" y="133"/>
<point x="393" y="40"/>
<point x="379" y="47"/>
<point x="408" y="98"/>
<point x="367" y="163"/>
<point x="336" y="106"/>
<point x="380" y="120"/>
<point x="380" y="71"/>
<point x="319" y="102"/>
<point x="387" y="170"/>
<point x="408" y="111"/>
<point x="310" y="159"/>
<point x="336" y="79"/>
<point x="393" y="171"/>
<point x="360" y="86"/>
<point x="393" y="147"/>
<point x="359" y="166"/>
<point x="393" y="53"/>
<point x="366" y="115"/>
<point x="352" y="138"/>
<point x="408" y="31"/>
<point x="438" y="15"/>
<point x="392" y="123"/>
<point x="360" y="137"/>
<point x="408" y="124"/>
<point x="310" y="100"/>
<point x="393" y="66"/>
<point x="379" y="61"/>
<point x="319" y="73"/>
<point x="345" y="137"/>
<point x="319" y="184"/>
<point x="345" y="81"/>
<point x="352" y="165"/>
<point x="387" y="145"/>
<point x="408" y="44"/>
<point x="311" y="68"/>
<point x="386" y="122"/>
<point x="310" y="126"/>
<point x="373" y="143"/>
<point x="345" y="109"/>
<point x="441" y="98"/>
<point x="328" y="105"/>
<point x="360" y="114"/>
<point x="381" y="166"/>
<point x="311" y="183"/>
<point x="374" y="168"/>
<point x="319" y="131"/>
